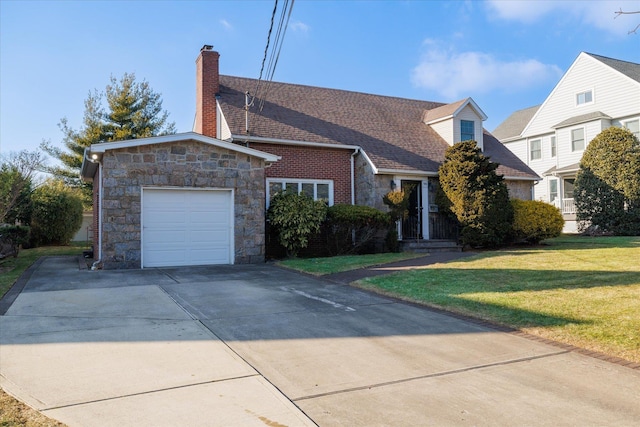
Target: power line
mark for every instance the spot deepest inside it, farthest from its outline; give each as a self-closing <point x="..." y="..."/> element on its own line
<point x="262" y="88"/>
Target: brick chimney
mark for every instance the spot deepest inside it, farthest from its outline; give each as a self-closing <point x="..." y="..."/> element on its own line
<point x="207" y="87"/>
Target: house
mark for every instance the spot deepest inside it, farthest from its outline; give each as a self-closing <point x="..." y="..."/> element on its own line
<point x="200" y="197"/>
<point x="595" y="93"/>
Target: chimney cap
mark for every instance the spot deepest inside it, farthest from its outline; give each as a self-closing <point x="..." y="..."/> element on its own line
<point x="206" y="47"/>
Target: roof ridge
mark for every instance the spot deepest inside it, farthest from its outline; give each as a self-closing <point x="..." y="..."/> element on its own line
<point x="344" y="91"/>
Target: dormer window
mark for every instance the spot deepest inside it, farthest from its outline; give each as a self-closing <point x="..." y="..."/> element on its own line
<point x="584" y="97"/>
<point x="467" y="130"/>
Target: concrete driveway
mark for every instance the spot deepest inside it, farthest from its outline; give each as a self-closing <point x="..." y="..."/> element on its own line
<point x="257" y="345"/>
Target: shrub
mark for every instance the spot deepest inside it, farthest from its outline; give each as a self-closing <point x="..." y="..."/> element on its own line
<point x="56" y="215"/>
<point x="534" y="220"/>
<point x="398" y="203"/>
<point x="296" y="217"/>
<point x="347" y="221"/>
<point x="478" y="195"/>
<point x="607" y="186"/>
<point x="11" y="238"/>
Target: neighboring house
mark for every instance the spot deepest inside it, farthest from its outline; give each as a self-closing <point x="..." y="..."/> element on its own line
<point x="595" y="93"/>
<point x="200" y="197"/>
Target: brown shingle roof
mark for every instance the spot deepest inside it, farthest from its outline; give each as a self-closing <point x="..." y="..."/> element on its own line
<point x="390" y="130"/>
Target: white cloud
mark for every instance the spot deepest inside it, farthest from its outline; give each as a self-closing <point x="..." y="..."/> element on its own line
<point x="226" y="24"/>
<point x="300" y="27"/>
<point x="598" y="13"/>
<point x="454" y="75"/>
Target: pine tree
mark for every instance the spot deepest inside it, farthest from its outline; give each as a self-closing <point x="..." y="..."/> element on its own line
<point x="478" y="195"/>
<point x="133" y="110"/>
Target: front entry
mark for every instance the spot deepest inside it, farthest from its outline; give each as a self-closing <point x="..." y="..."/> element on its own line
<point x="412" y="223"/>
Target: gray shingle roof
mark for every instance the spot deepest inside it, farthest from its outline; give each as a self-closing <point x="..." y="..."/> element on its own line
<point x="582" y="118"/>
<point x="515" y="123"/>
<point x="629" y="69"/>
<point x="390" y="130"/>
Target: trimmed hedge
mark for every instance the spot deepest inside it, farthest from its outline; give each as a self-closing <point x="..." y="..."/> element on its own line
<point x="57" y="214"/>
<point x="534" y="220"/>
<point x="344" y="222"/>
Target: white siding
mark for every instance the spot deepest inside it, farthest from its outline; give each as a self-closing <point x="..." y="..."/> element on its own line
<point x="445" y="129"/>
<point x="467" y="113"/>
<point x="613" y="94"/>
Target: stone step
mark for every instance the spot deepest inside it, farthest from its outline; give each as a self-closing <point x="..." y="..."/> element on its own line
<point x="425" y="246"/>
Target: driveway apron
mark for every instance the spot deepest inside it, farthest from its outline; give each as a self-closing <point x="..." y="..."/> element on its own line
<point x="258" y="345"/>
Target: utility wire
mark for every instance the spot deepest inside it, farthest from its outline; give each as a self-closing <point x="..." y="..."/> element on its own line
<point x="262" y="89"/>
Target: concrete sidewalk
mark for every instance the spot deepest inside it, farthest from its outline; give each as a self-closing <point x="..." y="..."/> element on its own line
<point x="259" y="345"/>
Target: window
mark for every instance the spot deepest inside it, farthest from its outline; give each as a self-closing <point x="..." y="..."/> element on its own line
<point x="467" y="131"/>
<point x="554" y="148"/>
<point x="568" y="185"/>
<point x="584" y="97"/>
<point x="318" y="190"/>
<point x="536" y="149"/>
<point x="553" y="191"/>
<point x="577" y="139"/>
<point x="634" y="127"/>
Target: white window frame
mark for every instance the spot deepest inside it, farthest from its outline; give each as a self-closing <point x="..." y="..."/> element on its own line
<point x="285" y="181"/>
<point x="556" y="201"/>
<point x="625" y="124"/>
<point x="554" y="147"/>
<point x="585" y="92"/>
<point x="538" y="150"/>
<point x="584" y="140"/>
<point x="473" y="130"/>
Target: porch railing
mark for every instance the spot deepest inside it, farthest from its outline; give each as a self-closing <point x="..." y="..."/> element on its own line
<point x="568" y="206"/>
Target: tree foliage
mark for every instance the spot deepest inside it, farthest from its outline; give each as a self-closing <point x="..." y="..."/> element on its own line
<point x="57" y="213"/>
<point x="133" y="110"/>
<point x="478" y="195"/>
<point x="535" y="220"/>
<point x="607" y="186"/>
<point x="296" y="218"/>
<point x="17" y="174"/>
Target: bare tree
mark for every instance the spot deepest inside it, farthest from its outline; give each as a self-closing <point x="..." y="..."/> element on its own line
<point x="621" y="12"/>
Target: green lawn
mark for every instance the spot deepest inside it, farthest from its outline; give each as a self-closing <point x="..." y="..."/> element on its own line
<point x="329" y="265"/>
<point x="579" y="290"/>
<point x="12" y="268"/>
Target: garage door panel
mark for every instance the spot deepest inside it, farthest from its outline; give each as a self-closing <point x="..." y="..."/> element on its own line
<point x="186" y="227"/>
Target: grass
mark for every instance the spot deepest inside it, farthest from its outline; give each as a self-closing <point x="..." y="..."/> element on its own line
<point x="12" y="268"/>
<point x="14" y="413"/>
<point x="329" y="265"/>
<point x="578" y="290"/>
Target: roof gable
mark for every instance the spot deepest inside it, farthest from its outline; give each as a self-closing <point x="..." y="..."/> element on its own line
<point x="93" y="153"/>
<point x="449" y="111"/>
<point x="587" y="72"/>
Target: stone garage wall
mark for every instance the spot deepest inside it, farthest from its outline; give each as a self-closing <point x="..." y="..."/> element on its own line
<point x="178" y="165"/>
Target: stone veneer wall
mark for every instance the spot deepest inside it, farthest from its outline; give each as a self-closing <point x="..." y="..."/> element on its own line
<point x="370" y="187"/>
<point x="183" y="164"/>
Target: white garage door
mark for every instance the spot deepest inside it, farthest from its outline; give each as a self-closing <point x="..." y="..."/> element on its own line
<point x="186" y="227"/>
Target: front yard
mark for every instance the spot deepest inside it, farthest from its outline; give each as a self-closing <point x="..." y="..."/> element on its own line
<point x="578" y="290"/>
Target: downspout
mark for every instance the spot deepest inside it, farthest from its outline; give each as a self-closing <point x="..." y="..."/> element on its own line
<point x="353" y="176"/>
<point x="94" y="265"/>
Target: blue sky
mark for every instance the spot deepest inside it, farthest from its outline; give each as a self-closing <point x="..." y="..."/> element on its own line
<point x="506" y="55"/>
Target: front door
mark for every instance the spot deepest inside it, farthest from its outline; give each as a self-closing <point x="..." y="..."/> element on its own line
<point x="412" y="222"/>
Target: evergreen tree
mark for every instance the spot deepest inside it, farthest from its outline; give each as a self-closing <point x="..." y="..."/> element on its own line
<point x="133" y="110"/>
<point x="607" y="186"/>
<point x="478" y="195"/>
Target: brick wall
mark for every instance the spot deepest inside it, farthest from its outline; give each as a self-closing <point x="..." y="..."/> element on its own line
<point x="312" y="163"/>
<point x="183" y="164"/>
<point x="96" y="213"/>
